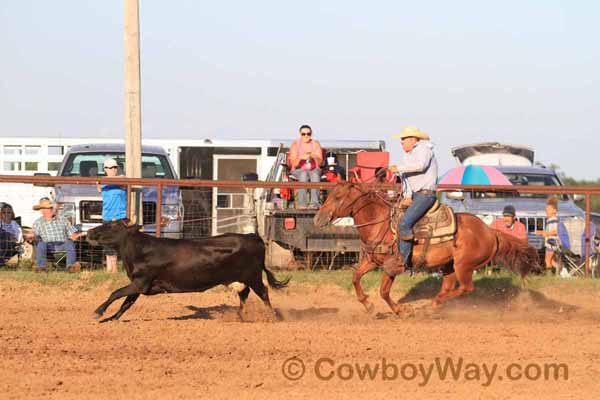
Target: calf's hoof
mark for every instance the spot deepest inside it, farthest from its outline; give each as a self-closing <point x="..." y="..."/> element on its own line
<point x="96" y="316"/>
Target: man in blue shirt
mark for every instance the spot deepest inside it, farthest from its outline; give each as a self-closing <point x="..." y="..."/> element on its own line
<point x="419" y="170"/>
<point x="114" y="207"/>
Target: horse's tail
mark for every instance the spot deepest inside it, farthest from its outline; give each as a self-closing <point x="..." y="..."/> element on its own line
<point x="515" y="254"/>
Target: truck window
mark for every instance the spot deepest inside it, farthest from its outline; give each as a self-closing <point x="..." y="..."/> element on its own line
<point x="91" y="164"/>
<point x="521" y="179"/>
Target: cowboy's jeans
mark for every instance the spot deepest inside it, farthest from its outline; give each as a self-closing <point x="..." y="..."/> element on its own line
<point x="421" y="203"/>
<point x="314" y="175"/>
<point x="41" y="248"/>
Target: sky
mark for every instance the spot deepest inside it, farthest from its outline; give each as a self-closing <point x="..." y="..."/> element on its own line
<point x="520" y="72"/>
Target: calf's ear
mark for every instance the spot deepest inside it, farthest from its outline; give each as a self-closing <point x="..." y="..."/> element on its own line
<point x="129" y="222"/>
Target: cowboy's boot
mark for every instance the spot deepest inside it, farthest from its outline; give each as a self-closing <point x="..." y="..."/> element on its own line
<point x="393" y="265"/>
<point x="406" y="240"/>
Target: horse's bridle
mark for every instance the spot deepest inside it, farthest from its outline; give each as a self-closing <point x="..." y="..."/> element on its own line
<point x="363" y="194"/>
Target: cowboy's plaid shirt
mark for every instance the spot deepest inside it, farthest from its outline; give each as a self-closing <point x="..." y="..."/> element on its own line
<point x="58" y="229"/>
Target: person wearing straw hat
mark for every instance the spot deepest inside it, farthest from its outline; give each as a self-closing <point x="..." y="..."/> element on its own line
<point x="420" y="171"/>
<point x="55" y="233"/>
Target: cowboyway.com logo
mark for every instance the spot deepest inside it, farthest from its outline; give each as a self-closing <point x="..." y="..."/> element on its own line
<point x="327" y="369"/>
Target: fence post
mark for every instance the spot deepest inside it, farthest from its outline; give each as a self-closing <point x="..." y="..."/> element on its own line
<point x="159" y="190"/>
<point x="588" y="213"/>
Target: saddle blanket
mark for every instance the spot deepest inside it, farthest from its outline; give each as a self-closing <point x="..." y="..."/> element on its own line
<point x="439" y="224"/>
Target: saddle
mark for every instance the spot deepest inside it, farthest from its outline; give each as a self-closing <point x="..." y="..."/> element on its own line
<point x="438" y="225"/>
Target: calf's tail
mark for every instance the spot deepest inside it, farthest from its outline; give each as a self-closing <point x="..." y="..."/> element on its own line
<point x="273" y="282"/>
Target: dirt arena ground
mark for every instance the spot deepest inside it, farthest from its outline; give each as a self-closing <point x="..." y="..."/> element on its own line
<point x="194" y="345"/>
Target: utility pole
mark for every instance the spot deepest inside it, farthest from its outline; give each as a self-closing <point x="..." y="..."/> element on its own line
<point x="133" y="111"/>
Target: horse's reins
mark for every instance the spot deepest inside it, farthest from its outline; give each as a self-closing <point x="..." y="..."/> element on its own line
<point x="363" y="194"/>
<point x="375" y="176"/>
<point x="370" y="246"/>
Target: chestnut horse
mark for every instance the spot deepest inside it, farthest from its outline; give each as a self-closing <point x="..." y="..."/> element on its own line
<point x="474" y="245"/>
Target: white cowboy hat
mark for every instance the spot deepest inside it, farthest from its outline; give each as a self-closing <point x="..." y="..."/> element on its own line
<point x="411" y="131"/>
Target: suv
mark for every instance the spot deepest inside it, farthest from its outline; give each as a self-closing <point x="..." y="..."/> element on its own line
<point x="530" y="207"/>
<point x="82" y="204"/>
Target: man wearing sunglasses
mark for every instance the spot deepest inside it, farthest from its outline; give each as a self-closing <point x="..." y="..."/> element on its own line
<point x="306" y="157"/>
<point x="114" y="207"/>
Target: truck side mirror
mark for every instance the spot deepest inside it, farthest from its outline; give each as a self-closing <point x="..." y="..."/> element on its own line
<point x="43" y="184"/>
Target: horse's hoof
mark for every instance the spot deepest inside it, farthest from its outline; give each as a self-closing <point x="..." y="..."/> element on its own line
<point x="96" y="316"/>
<point x="436" y="303"/>
<point x="404" y="310"/>
<point x="369" y="307"/>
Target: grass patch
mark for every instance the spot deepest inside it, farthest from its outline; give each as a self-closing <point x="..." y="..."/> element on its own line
<point x="494" y="285"/>
<point x="83" y="281"/>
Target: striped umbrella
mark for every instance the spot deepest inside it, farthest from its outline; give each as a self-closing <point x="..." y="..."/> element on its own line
<point x="474" y="175"/>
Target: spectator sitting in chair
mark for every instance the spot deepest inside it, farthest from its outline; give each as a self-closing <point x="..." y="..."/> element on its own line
<point x="509" y="224"/>
<point x="55" y="233"/>
<point x="306" y="156"/>
<point x="10" y="233"/>
<point x="333" y="171"/>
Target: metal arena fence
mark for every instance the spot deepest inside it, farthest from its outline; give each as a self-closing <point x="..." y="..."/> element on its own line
<point x="192" y="209"/>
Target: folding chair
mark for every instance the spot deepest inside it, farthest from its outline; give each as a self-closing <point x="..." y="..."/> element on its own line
<point x="290" y="194"/>
<point x="372" y="167"/>
<point x="571" y="246"/>
<point x="367" y="165"/>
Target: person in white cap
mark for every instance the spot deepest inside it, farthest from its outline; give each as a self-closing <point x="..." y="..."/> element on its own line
<point x="420" y="171"/>
<point x="114" y="207"/>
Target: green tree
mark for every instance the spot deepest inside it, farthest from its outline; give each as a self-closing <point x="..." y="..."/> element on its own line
<point x="568" y="181"/>
<point x="575" y="182"/>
